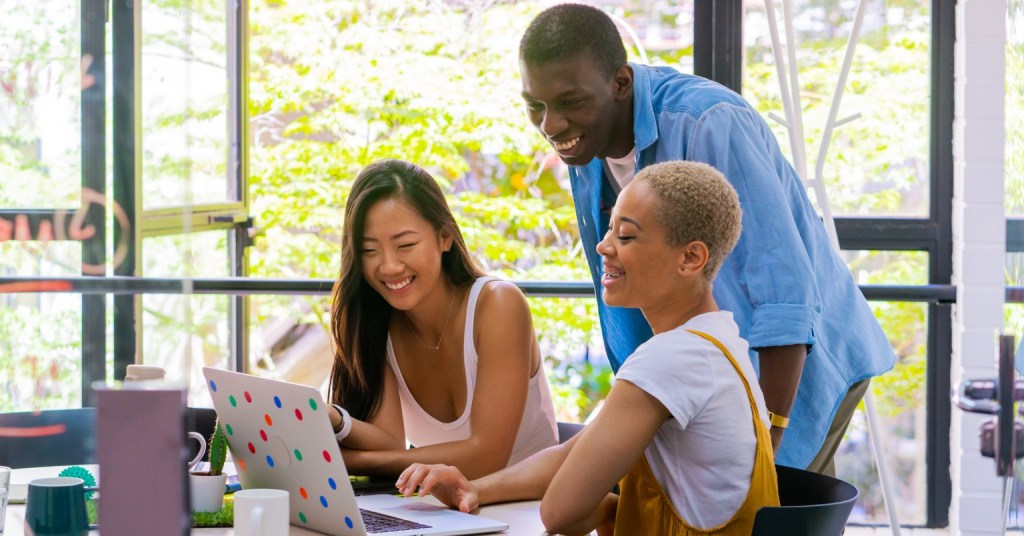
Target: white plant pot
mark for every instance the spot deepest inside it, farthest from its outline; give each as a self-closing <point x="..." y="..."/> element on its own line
<point x="207" y="491"/>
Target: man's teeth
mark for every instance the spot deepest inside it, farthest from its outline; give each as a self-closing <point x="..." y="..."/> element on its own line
<point x="401" y="284"/>
<point x="565" y="146"/>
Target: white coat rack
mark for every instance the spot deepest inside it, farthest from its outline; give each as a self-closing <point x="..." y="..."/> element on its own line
<point x="789" y="88"/>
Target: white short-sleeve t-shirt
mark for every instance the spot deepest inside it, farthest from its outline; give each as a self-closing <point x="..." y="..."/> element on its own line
<point x="704" y="454"/>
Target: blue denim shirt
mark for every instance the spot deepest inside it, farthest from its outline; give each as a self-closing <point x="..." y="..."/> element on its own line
<point x="783" y="282"/>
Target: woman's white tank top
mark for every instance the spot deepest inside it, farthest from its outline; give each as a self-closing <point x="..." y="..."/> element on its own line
<point x="537" y="430"/>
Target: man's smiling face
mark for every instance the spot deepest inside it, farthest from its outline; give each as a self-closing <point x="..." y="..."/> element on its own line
<point x="582" y="113"/>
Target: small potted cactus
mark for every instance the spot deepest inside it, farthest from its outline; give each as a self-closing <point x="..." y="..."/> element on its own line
<point x="207" y="487"/>
<point x="218" y="448"/>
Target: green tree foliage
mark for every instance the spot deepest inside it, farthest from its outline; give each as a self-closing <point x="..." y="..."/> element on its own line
<point x="39" y="87"/>
<point x="40" y="358"/>
<point x="335" y="85"/>
<point x="1015" y="114"/>
<point x="875" y="165"/>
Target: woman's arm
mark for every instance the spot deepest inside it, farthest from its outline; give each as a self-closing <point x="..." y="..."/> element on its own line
<point x="385" y="431"/>
<point x="525" y="480"/>
<point x="505" y="344"/>
<point x="606" y="450"/>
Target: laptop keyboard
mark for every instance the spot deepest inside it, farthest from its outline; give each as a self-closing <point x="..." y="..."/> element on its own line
<point x="377" y="522"/>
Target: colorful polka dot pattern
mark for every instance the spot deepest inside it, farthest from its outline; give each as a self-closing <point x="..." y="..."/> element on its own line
<point x="281" y="418"/>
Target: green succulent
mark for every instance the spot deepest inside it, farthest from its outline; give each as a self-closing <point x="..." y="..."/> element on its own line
<point x="218" y="447"/>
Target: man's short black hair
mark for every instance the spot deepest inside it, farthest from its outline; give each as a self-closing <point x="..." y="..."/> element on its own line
<point x="566" y="31"/>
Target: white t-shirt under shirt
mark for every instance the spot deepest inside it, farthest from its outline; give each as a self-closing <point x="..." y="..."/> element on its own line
<point x="704" y="455"/>
<point x="622" y="169"/>
<point x="537" y="430"/>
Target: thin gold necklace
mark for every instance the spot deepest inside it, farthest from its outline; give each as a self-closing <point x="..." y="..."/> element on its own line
<point x="451" y="307"/>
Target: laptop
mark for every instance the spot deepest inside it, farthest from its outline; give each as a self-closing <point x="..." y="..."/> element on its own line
<point x="280" y="437"/>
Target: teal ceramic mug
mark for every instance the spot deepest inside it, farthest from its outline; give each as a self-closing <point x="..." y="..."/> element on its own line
<point x="56" y="507"/>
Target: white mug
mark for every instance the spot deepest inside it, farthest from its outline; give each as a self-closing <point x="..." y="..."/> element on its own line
<point x="138" y="373"/>
<point x="261" y="512"/>
<point x="202" y="449"/>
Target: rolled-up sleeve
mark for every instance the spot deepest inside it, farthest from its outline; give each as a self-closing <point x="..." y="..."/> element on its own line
<point x="770" y="263"/>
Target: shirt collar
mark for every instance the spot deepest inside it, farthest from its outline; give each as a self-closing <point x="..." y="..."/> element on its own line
<point x="645" y="128"/>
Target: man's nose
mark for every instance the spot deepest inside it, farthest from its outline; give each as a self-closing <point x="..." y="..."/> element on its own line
<point x="552" y="124"/>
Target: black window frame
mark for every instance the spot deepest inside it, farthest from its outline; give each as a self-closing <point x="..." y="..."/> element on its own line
<point x="718" y="55"/>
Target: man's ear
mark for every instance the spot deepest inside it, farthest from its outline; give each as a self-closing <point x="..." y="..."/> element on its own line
<point x="693" y="258"/>
<point x="623" y="80"/>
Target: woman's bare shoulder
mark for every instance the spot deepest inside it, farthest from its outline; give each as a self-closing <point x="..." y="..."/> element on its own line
<point x="498" y="296"/>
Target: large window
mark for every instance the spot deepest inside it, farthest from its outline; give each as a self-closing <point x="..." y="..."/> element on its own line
<point x="873" y="162"/>
<point x="47" y="70"/>
<point x="251" y="120"/>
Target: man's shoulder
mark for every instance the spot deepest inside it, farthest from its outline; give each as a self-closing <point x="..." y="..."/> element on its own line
<point x="673" y="91"/>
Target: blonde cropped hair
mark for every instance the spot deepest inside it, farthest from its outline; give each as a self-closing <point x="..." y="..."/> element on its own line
<point x="696" y="203"/>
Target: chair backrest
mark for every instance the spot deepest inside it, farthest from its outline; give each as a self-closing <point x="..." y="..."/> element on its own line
<point x="810" y="504"/>
<point x="567" y="429"/>
<point x="48" y="437"/>
<point x="68" y="436"/>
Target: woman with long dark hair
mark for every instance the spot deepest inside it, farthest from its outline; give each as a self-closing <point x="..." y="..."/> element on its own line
<point x="428" y="350"/>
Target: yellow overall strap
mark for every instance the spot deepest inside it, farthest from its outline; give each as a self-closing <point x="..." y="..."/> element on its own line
<point x="645" y="508"/>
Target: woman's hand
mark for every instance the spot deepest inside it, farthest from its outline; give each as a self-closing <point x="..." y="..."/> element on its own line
<point x="444" y="482"/>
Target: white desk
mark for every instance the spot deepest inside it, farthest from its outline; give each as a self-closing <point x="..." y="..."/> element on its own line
<point x="522" y="517"/>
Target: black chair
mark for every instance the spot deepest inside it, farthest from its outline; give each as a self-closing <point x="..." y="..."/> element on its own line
<point x="567" y="429"/>
<point x="48" y="437"/>
<point x="810" y="505"/>
<point x="68" y="436"/>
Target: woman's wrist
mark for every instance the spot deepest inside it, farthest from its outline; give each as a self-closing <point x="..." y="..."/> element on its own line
<point x="342" y="429"/>
<point x="778" y="421"/>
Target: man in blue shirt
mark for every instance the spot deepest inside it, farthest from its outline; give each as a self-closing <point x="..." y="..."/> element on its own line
<point x="811" y="332"/>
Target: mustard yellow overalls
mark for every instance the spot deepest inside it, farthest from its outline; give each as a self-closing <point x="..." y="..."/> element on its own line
<point x="644" y="508"/>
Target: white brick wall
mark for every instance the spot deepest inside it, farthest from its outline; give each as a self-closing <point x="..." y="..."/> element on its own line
<point x="979" y="248"/>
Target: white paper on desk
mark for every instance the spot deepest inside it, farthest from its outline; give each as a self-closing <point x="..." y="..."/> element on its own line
<point x="17" y="494"/>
